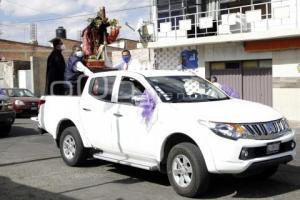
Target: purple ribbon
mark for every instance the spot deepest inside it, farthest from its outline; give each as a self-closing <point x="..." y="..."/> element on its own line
<point x="148" y="105"/>
<point x="230" y="91"/>
<point x="2" y="92"/>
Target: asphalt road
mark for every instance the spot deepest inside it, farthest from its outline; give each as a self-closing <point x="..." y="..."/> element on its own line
<point x="31" y="168"/>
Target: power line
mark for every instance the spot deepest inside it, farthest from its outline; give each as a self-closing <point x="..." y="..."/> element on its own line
<point x="75" y="16"/>
<point x="23" y="6"/>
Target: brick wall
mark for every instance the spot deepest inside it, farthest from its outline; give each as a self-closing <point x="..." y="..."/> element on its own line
<point x="22" y="51"/>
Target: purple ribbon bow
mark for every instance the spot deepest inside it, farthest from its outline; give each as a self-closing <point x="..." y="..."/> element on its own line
<point x="148" y="105"/>
<point x="230" y="91"/>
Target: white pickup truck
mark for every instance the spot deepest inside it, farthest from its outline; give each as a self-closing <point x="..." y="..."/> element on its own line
<point x="171" y="121"/>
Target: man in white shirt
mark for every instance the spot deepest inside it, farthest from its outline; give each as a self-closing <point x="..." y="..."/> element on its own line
<point x="214" y="81"/>
<point x="128" y="63"/>
<point x="74" y="70"/>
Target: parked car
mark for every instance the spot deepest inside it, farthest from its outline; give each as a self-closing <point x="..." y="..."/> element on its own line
<point x="171" y="121"/>
<point x="24" y="101"/>
<point x="7" y="115"/>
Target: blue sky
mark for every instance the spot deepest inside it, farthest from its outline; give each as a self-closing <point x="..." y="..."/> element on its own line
<point x="16" y="15"/>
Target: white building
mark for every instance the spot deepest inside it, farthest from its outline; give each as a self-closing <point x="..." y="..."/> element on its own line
<point x="251" y="45"/>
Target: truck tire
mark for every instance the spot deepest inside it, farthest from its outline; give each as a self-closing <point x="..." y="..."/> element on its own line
<point x="71" y="147"/>
<point x="5" y="130"/>
<point x="187" y="171"/>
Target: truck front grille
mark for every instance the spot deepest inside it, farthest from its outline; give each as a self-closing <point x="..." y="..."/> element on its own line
<point x="267" y="130"/>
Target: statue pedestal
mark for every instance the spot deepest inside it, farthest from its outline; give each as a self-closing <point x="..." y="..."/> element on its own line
<point x="99" y="64"/>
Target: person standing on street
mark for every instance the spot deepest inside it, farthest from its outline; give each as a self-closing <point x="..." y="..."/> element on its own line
<point x="214" y="81"/>
<point x="74" y="70"/>
<point x="128" y="63"/>
<point x="55" y="69"/>
<point x="225" y="88"/>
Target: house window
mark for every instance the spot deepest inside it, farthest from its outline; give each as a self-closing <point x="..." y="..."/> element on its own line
<point x="101" y="88"/>
<point x="232" y="65"/>
<point x="176" y="10"/>
<point x="173" y="8"/>
<point x="129" y="87"/>
<point x="233" y="6"/>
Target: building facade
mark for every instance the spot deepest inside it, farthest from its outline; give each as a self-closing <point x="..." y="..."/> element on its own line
<point x="23" y="65"/>
<point x="250" y="45"/>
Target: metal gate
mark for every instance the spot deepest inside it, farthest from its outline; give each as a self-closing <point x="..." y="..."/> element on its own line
<point x="231" y="78"/>
<point x="257" y="85"/>
<point x="252" y="79"/>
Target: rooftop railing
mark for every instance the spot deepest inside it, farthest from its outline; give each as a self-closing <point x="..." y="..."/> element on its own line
<point x="260" y="17"/>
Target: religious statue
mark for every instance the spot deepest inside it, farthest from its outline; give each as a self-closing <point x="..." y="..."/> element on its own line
<point x="96" y="36"/>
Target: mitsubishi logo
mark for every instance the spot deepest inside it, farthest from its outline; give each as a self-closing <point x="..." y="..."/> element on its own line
<point x="270" y="127"/>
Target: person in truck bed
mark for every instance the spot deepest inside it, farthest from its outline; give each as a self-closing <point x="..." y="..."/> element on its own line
<point x="128" y="63"/>
<point x="74" y="70"/>
<point x="55" y="69"/>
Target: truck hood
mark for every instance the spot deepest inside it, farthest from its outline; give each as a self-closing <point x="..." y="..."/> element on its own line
<point x="230" y="111"/>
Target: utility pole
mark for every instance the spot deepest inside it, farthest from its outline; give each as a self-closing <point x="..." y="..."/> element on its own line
<point x="0" y="22"/>
<point x="151" y="7"/>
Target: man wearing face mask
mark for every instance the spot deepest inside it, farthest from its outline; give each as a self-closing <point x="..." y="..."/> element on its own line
<point x="55" y="69"/>
<point x="74" y="70"/>
<point x="128" y="63"/>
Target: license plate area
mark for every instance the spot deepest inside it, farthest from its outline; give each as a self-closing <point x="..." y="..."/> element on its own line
<point x="273" y="148"/>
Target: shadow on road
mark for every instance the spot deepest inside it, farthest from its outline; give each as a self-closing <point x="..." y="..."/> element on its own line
<point x="11" y="191"/>
<point x="286" y="180"/>
<point x="94" y="163"/>
<point x="125" y="181"/>
<point x="28" y="161"/>
<point x="18" y="131"/>
<point x="143" y="175"/>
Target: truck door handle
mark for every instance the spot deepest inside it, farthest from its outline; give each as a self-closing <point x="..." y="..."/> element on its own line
<point x="86" y="109"/>
<point x="118" y="115"/>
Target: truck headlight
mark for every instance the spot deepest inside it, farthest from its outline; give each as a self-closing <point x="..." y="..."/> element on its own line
<point x="285" y="124"/>
<point x="19" y="103"/>
<point x="227" y="130"/>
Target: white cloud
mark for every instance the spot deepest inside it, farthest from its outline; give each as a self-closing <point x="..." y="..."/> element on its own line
<point x="22" y="8"/>
<point x="46" y="29"/>
<point x="27" y="8"/>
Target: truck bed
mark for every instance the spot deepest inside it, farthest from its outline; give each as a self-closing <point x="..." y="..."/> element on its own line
<point x="57" y="108"/>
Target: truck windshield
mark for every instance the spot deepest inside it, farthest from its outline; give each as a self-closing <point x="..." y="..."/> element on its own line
<point x="182" y="89"/>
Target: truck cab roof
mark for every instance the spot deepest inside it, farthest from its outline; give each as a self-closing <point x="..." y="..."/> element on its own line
<point x="147" y="73"/>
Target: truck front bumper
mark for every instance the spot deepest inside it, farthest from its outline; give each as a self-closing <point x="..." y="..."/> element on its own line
<point x="228" y="158"/>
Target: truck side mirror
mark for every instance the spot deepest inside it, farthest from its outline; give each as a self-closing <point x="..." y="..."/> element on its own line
<point x="139" y="99"/>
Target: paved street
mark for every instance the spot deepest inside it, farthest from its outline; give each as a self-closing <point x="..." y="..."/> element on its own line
<point x="31" y="168"/>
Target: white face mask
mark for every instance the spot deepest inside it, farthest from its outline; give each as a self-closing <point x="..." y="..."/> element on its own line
<point x="79" y="54"/>
<point x="62" y="47"/>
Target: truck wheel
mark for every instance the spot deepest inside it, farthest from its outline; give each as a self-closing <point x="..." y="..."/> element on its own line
<point x="5" y="131"/>
<point x="187" y="171"/>
<point x="71" y="147"/>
